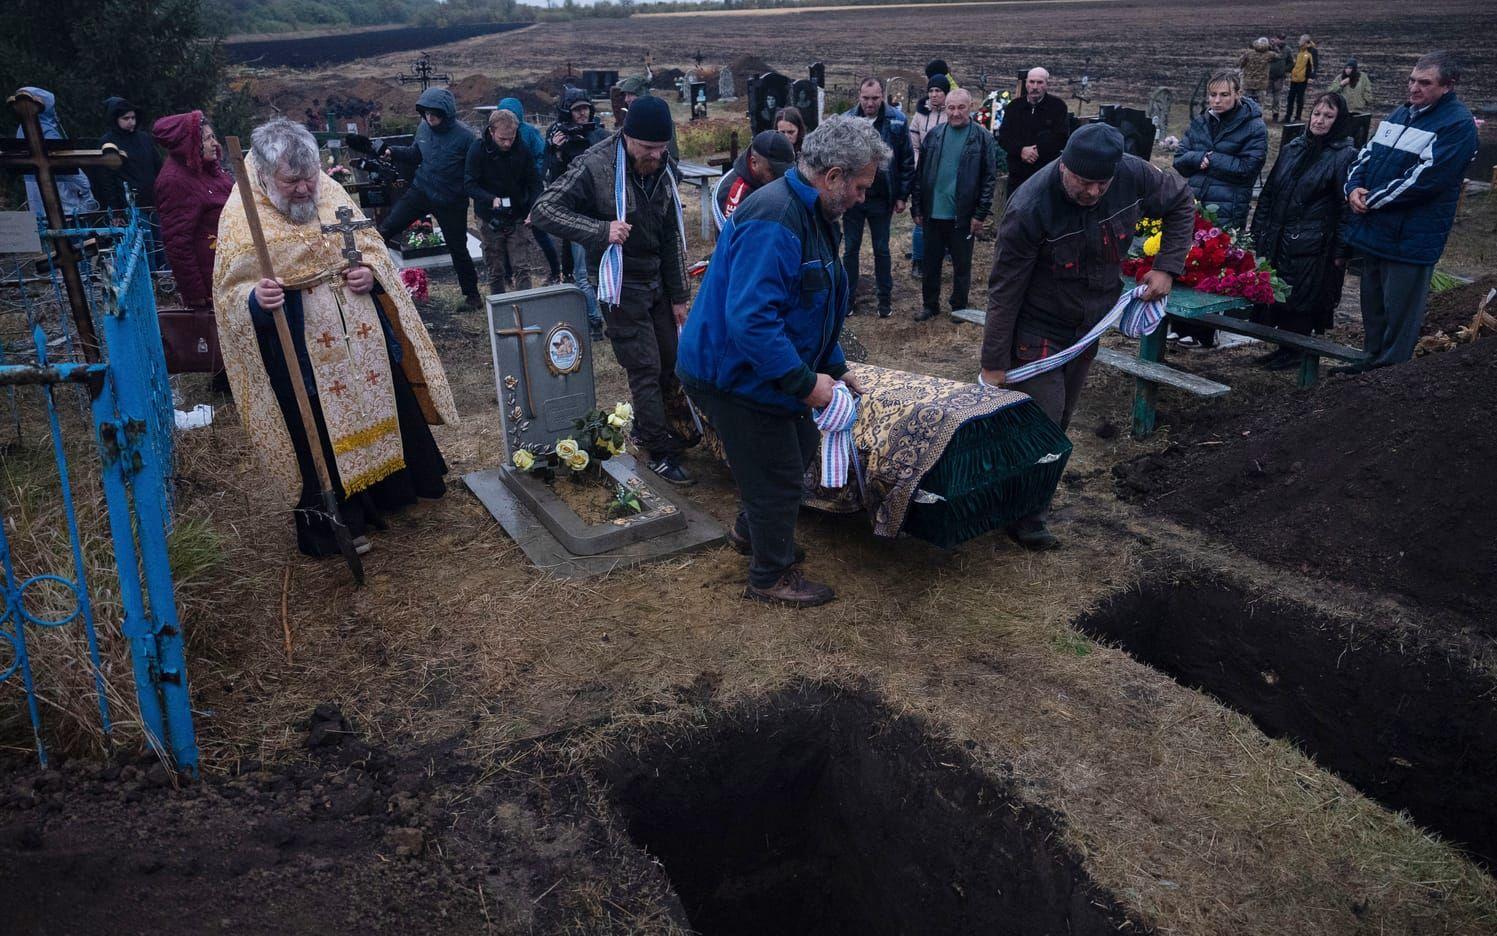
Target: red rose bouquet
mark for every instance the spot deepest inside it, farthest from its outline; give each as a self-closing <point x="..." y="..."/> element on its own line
<point x="1220" y="261"/>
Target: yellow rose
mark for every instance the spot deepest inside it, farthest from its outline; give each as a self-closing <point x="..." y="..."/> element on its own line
<point x="1151" y="246"/>
<point x="524" y="460"/>
<point x="577" y="461"/>
<point x="616" y="421"/>
<point x="566" y="448"/>
<point x="623" y="411"/>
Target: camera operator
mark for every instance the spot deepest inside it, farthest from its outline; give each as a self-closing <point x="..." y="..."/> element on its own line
<point x="501" y="178"/>
<point x="570" y="136"/>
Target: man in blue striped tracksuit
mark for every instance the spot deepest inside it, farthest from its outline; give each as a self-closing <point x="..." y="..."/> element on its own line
<point x="760" y="347"/>
<point x="1402" y="190"/>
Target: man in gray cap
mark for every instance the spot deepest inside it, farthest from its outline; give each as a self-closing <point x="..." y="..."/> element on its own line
<point x="1061" y="244"/>
<point x="642" y="284"/>
<point x="767" y="158"/>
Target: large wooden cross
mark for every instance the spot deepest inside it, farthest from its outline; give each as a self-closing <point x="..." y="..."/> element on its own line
<point x="46" y="162"/>
<point x="346" y="226"/>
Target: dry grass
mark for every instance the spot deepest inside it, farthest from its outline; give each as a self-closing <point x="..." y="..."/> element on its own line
<point x="1181" y="807"/>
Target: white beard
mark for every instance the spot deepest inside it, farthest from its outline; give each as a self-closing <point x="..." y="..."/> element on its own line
<point x="298" y="212"/>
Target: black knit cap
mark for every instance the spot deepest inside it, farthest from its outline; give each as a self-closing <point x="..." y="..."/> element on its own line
<point x="1093" y="152"/>
<point x="940" y="81"/>
<point x="936" y="67"/>
<point x="649" y="120"/>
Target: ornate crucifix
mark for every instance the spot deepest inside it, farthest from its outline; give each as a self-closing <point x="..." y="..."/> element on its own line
<point x="45" y="161"/>
<point x="518" y="333"/>
<point x="346" y="226"/>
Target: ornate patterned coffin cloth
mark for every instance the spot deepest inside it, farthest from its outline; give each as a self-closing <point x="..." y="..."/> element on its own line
<point x="945" y="461"/>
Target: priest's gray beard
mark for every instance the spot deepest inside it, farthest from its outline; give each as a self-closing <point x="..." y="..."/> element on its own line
<point x="300" y="212"/>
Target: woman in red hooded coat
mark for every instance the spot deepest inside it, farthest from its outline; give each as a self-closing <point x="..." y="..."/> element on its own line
<point x="190" y="193"/>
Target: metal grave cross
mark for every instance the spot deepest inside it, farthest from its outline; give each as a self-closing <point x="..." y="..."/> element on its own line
<point x="44" y="159"/>
<point x="346" y="226"/>
<point x="518" y="333"/>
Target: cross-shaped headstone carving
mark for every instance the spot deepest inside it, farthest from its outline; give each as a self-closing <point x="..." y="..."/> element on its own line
<point x="518" y="333"/>
<point x="45" y="161"/>
<point x="346" y="226"/>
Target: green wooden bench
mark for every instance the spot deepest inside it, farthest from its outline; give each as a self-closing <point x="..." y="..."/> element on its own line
<point x="1313" y="346"/>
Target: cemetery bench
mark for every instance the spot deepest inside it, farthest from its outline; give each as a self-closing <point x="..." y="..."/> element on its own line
<point x="1313" y="346"/>
<point x="703" y="177"/>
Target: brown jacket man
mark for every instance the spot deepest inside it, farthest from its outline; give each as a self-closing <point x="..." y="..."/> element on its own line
<point x="1061" y="243"/>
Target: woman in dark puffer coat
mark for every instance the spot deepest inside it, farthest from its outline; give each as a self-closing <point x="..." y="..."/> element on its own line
<point x="190" y="194"/>
<point x="1299" y="215"/>
<point x="1224" y="150"/>
<point x="1221" y="156"/>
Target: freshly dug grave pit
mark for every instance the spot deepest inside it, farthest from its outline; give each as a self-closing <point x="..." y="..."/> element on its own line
<point x="1382" y="480"/>
<point x="1410" y="724"/>
<point x="822" y="812"/>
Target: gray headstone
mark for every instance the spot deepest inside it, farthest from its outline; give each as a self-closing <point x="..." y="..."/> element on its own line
<point x="543" y="369"/>
<point x="726" y="90"/>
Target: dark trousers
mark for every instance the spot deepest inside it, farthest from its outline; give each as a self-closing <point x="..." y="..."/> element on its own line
<point x="548" y="250"/>
<point x="1056" y="392"/>
<point x="942" y="237"/>
<point x="452" y="219"/>
<point x="1393" y="303"/>
<point x="642" y="330"/>
<point x="878" y="218"/>
<point x="1296" y="102"/>
<point x="768" y="454"/>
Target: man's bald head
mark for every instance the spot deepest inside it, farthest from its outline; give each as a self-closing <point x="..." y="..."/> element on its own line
<point x="959" y="107"/>
<point x="1036" y="83"/>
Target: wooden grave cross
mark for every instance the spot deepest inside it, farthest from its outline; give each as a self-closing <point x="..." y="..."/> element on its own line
<point x="518" y="333"/>
<point x="45" y="162"/>
<point x="346" y="226"/>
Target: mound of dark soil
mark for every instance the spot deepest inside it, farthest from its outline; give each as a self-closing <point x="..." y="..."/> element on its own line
<point x="1382" y="480"/>
<point x="355" y="841"/>
<point x="1454" y="308"/>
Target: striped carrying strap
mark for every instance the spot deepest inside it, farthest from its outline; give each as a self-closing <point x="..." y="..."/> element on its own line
<point x="1133" y="317"/>
<point x="611" y="267"/>
<point x="835" y="421"/>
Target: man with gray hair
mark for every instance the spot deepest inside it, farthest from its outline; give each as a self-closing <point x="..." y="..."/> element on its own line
<point x="760" y="348"/>
<point x="362" y="352"/>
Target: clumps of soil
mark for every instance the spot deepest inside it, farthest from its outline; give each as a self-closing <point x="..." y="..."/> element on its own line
<point x="1452" y="310"/>
<point x="823" y="812"/>
<point x="353" y="840"/>
<point x="1382" y="480"/>
<point x="1402" y="717"/>
<point x="745" y="67"/>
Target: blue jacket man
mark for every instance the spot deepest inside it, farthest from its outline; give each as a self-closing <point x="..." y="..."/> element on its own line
<point x="760" y="346"/>
<point x="438" y="154"/>
<point x="887" y="197"/>
<point x="1402" y="190"/>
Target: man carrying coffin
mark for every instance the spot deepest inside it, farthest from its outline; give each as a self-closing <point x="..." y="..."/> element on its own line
<point x="368" y="365"/>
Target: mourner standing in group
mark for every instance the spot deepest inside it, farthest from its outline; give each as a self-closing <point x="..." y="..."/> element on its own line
<point x="887" y="197"/>
<point x="952" y="198"/>
<point x="767" y="158"/>
<point x="1403" y="189"/>
<point x="640" y="246"/>
<point x="191" y="190"/>
<point x="501" y="178"/>
<point x="575" y="131"/>
<point x="1034" y="129"/>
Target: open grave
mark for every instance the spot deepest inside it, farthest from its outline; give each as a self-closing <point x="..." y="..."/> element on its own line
<point x="1372" y="490"/>
<point x="1408" y="719"/>
<point x="823" y="812"/>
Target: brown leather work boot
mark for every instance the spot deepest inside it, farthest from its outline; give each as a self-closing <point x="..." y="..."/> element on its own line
<point x="794" y="590"/>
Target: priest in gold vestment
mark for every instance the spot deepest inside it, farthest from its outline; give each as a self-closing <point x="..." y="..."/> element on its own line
<point x="371" y="372"/>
